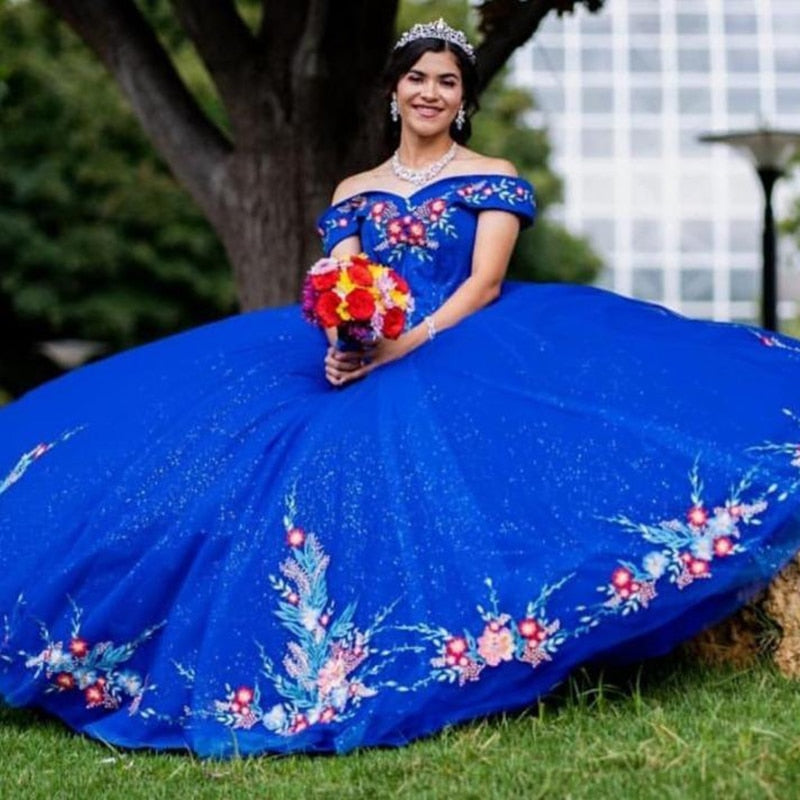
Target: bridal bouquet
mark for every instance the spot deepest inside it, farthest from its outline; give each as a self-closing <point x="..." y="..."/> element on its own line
<point x="364" y="301"/>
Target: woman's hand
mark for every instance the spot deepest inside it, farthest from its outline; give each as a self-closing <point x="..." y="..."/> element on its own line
<point x="343" y="367"/>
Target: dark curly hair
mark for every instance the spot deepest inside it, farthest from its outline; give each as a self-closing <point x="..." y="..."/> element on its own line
<point x="404" y="58"/>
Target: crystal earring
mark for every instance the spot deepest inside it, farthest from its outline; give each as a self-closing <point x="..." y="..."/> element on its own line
<point x="394" y="110"/>
<point x="461" y="118"/>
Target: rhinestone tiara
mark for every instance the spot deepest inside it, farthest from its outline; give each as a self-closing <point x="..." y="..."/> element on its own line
<point x="437" y="30"/>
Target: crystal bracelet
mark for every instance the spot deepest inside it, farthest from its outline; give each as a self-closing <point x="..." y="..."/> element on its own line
<point x="431" y="326"/>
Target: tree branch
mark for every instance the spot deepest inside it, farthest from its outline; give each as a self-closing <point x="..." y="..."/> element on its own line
<point x="508" y="24"/>
<point x="225" y="45"/>
<point x="192" y="146"/>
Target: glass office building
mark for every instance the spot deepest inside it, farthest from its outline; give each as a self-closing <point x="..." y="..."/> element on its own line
<point x="625" y="94"/>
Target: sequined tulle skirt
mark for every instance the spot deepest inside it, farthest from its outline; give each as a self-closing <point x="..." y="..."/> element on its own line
<point x="205" y="546"/>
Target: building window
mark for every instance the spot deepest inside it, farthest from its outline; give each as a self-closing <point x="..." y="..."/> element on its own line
<point x="644" y="23"/>
<point x="742" y="60"/>
<point x="694" y="101"/>
<point x="692" y="23"/>
<point x="743" y="284"/>
<point x="694" y="60"/>
<point x="740" y="23"/>
<point x="645" y="59"/>
<point x="550" y="99"/>
<point x="786" y="23"/>
<point x="597" y="100"/>
<point x="648" y="284"/>
<point x="596" y="23"/>
<point x="646" y="235"/>
<point x="646" y="142"/>
<point x="788" y="100"/>
<point x="744" y="101"/>
<point x="697" y="284"/>
<point x="597" y="142"/>
<point x="697" y="236"/>
<point x="787" y="60"/>
<point x="548" y="59"/>
<point x="600" y="230"/>
<point x="597" y="59"/>
<point x="646" y="100"/>
<point x="743" y="236"/>
<point x="646" y="190"/>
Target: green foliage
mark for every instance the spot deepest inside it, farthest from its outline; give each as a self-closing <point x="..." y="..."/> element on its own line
<point x="547" y="252"/>
<point x="97" y="241"/>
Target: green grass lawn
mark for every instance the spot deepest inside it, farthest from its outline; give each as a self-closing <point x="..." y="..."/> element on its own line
<point x="671" y="729"/>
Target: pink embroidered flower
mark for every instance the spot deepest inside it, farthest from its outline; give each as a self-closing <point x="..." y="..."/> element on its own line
<point x="496" y="645"/>
<point x="95" y="695"/>
<point x="699" y="567"/>
<point x="244" y="696"/>
<point x="64" y="681"/>
<point x="697" y="516"/>
<point x="621" y="578"/>
<point x="295" y="537"/>
<point x="332" y="675"/>
<point x="377" y="209"/>
<point x="723" y="546"/>
<point x="299" y="724"/>
<point x="328" y="715"/>
<point x="78" y="647"/>
<point x="529" y="628"/>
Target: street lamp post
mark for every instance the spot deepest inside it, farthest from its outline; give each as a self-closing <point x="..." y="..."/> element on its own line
<point x="770" y="152"/>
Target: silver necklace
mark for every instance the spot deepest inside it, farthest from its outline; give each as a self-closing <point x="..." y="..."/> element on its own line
<point x="419" y="177"/>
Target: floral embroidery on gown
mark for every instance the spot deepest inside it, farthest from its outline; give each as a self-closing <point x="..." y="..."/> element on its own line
<point x="206" y="546"/>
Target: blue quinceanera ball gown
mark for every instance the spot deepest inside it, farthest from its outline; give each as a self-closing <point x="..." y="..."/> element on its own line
<point x="204" y="545"/>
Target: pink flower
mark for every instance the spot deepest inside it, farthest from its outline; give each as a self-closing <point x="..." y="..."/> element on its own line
<point x="295" y="537"/>
<point x="698" y="567"/>
<point x="529" y="628"/>
<point x="495" y="646"/>
<point x="332" y="675"/>
<point x="293" y="598"/>
<point x="621" y="577"/>
<point x="328" y="714"/>
<point x="723" y="546"/>
<point x="697" y="516"/>
<point x="78" y="647"/>
<point x="244" y="696"/>
<point x="438" y="205"/>
<point x="300" y="724"/>
<point x="65" y="681"/>
<point x="377" y="209"/>
<point x="94" y="695"/>
<point x="456" y="646"/>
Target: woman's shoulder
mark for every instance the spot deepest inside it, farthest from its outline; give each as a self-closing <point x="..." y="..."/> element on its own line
<point x="360" y="182"/>
<point x="473" y="163"/>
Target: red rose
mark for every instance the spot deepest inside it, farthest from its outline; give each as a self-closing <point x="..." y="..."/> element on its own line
<point x="360" y="275"/>
<point x="399" y="282"/>
<point x="393" y="323"/>
<point x="325" y="309"/>
<point x="325" y="280"/>
<point x="360" y="304"/>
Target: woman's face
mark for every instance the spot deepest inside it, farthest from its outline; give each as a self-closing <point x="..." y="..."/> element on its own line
<point x="430" y="93"/>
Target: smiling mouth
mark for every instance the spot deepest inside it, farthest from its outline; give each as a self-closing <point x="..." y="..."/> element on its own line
<point x="427" y="111"/>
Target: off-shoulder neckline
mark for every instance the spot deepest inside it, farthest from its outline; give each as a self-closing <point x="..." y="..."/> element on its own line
<point x="407" y="198"/>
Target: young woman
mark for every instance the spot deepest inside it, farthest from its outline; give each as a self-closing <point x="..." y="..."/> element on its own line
<point x="213" y="543"/>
